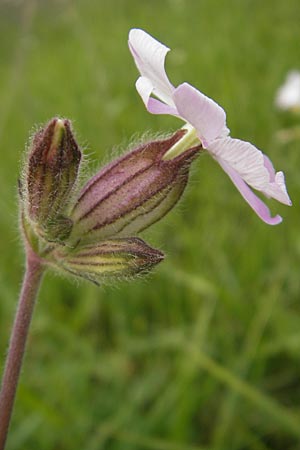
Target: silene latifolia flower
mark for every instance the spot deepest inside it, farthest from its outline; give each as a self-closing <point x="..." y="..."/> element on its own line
<point x="89" y="232"/>
<point x="92" y="232"/>
<point x="247" y="166"/>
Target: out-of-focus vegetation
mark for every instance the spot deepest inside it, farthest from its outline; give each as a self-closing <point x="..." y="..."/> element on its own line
<point x="204" y="353"/>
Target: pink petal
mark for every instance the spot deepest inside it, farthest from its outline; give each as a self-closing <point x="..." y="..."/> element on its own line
<point x="201" y="112"/>
<point x="244" y="158"/>
<point x="252" y="166"/>
<point x="154" y="106"/>
<point x="256" y="203"/>
<point x="280" y="187"/>
<point x="149" y="56"/>
<point x="277" y="187"/>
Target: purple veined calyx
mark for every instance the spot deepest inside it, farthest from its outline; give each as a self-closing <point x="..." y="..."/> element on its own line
<point x="91" y="232"/>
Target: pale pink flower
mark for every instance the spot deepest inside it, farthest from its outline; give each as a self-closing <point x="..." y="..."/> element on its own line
<point x="247" y="166"/>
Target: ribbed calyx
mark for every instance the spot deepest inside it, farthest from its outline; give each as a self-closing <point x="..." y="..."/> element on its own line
<point x="109" y="259"/>
<point x="91" y="234"/>
<point x="49" y="179"/>
<point x="131" y="193"/>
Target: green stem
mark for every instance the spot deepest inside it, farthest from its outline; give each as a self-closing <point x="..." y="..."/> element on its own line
<point x="30" y="288"/>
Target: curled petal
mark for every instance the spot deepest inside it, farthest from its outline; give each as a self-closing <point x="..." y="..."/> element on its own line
<point x="154" y="106"/>
<point x="256" y="203"/>
<point x="276" y="187"/>
<point x="244" y="158"/>
<point x="252" y="166"/>
<point x="149" y="56"/>
<point x="201" y="112"/>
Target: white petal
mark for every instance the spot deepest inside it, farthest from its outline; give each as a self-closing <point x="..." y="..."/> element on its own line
<point x="256" y="203"/>
<point x="252" y="166"/>
<point x="244" y="158"/>
<point x="201" y="112"/>
<point x="277" y="189"/>
<point x="149" y="56"/>
<point x="154" y="106"/>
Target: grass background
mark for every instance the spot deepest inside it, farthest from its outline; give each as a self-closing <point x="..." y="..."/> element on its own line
<point x="204" y="353"/>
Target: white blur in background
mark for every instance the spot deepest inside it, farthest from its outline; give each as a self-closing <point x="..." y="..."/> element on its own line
<point x="288" y="95"/>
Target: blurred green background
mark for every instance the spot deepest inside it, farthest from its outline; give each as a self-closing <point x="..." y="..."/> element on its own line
<point x="204" y="352"/>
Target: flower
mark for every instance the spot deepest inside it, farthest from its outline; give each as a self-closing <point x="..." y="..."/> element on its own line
<point x="247" y="166"/>
<point x="288" y="95"/>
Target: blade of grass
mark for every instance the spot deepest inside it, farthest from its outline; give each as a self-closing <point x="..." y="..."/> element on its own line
<point x="256" y="329"/>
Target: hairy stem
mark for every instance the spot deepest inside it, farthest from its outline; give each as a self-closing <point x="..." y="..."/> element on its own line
<point x="31" y="284"/>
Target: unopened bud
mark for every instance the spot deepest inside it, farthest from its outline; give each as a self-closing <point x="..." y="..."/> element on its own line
<point x="132" y="192"/>
<point x="108" y="260"/>
<point x="51" y="173"/>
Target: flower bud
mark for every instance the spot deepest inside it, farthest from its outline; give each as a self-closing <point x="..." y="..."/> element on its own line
<point x="132" y="192"/>
<point x="51" y="173"/>
<point x="108" y="259"/>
